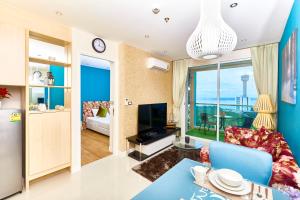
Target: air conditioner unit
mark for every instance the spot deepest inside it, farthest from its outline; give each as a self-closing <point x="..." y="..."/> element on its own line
<point x="154" y="63"/>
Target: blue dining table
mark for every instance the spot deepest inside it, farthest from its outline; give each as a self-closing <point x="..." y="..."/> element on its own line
<point x="178" y="184"/>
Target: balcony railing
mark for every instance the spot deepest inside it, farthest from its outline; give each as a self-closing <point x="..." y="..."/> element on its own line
<point x="230" y="115"/>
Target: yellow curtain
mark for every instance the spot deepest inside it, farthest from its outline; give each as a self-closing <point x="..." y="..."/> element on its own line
<point x="180" y="71"/>
<point x="265" y="69"/>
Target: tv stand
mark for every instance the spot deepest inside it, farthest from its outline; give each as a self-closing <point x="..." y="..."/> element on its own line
<point x="144" y="148"/>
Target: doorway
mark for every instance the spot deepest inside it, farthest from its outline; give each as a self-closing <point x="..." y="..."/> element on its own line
<point x="96" y="109"/>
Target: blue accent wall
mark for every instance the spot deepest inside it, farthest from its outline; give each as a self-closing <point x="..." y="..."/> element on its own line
<point x="289" y="114"/>
<point x="57" y="96"/>
<point x="95" y="84"/>
<point x="195" y="95"/>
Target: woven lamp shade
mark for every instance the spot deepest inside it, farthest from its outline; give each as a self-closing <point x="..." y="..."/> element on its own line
<point x="212" y="36"/>
<point x="265" y="110"/>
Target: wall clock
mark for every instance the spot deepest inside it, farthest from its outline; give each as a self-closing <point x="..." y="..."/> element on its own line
<point x="98" y="45"/>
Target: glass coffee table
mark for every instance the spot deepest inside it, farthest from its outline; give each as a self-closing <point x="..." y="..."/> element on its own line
<point x="188" y="149"/>
<point x="192" y="144"/>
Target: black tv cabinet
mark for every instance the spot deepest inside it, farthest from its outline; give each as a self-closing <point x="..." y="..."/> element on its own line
<point x="138" y="155"/>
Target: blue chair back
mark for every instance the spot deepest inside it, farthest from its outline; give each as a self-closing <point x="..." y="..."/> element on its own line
<point x="252" y="164"/>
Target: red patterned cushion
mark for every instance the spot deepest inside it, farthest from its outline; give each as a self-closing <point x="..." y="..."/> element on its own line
<point x="286" y="172"/>
<point x="204" y="154"/>
<point x="273" y="144"/>
<point x="242" y="136"/>
<point x="285" y="168"/>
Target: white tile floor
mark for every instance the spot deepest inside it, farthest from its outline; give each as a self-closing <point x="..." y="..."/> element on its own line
<point x="110" y="178"/>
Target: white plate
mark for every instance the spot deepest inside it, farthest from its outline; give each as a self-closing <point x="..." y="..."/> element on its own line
<point x="230" y="177"/>
<point x="212" y="178"/>
<point x="218" y="181"/>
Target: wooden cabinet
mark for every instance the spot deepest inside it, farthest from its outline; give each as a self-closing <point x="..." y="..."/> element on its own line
<point x="12" y="55"/>
<point x="48" y="133"/>
<point x="49" y="142"/>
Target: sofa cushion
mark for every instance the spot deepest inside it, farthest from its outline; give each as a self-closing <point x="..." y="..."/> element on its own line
<point x="285" y="168"/>
<point x="262" y="139"/>
<point x="286" y="172"/>
<point x="204" y="154"/>
<point x="242" y="136"/>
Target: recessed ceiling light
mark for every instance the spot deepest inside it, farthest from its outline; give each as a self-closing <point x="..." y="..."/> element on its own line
<point x="58" y="13"/>
<point x="167" y="19"/>
<point x="233" y="5"/>
<point x="147" y="36"/>
<point x="155" y="10"/>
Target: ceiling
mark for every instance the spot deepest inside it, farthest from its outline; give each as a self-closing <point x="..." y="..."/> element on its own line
<point x="255" y="21"/>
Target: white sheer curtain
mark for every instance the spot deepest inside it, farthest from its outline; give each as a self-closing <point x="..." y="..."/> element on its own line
<point x="265" y="69"/>
<point x="180" y="72"/>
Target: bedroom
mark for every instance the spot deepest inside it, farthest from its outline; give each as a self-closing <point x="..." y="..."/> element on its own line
<point x="95" y="107"/>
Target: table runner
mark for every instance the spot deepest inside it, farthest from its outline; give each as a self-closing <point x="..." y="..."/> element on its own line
<point x="177" y="184"/>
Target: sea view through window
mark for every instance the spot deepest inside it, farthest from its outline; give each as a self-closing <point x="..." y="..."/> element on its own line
<point x="238" y="94"/>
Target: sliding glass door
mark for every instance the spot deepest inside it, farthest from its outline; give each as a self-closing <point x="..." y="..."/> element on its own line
<point x="203" y="102"/>
<point x="220" y="96"/>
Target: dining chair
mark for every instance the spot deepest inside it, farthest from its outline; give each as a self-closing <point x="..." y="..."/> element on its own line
<point x="252" y="164"/>
<point x="247" y="122"/>
<point x="206" y="122"/>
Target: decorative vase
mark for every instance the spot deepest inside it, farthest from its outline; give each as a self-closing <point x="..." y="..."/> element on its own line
<point x="187" y="139"/>
<point x="50" y="78"/>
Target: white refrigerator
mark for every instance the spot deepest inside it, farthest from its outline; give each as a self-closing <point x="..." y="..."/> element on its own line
<point x="11" y="131"/>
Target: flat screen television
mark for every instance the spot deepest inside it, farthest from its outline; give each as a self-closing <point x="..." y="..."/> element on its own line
<point x="152" y="117"/>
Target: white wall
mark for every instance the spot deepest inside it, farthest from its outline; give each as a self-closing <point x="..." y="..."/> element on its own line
<point x="16" y="98"/>
<point x="82" y="45"/>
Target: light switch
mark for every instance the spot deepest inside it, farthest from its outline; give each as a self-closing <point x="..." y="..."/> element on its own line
<point x="127" y="102"/>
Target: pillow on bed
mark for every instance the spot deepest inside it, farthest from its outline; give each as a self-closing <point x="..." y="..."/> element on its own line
<point x="102" y="112"/>
<point x="95" y="111"/>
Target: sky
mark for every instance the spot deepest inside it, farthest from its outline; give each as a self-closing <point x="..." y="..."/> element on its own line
<point x="231" y="85"/>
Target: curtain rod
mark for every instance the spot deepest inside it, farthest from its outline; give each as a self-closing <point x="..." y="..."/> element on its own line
<point x="235" y="50"/>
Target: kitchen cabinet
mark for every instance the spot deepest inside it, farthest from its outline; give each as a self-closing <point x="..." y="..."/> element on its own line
<point x="12" y="55"/>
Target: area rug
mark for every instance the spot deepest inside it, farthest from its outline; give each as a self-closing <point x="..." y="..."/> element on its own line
<point x="153" y="168"/>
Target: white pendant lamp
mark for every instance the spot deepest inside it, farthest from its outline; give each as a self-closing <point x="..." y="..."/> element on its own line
<point x="212" y="36"/>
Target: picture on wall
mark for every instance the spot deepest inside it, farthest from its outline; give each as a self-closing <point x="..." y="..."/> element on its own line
<point x="289" y="69"/>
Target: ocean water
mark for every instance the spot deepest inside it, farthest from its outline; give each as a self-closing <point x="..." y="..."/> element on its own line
<point x="226" y="100"/>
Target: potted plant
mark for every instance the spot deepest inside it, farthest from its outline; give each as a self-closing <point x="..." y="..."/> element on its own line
<point x="4" y="94"/>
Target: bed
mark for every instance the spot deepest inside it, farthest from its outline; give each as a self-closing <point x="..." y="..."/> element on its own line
<point x="99" y="124"/>
<point x="92" y="121"/>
